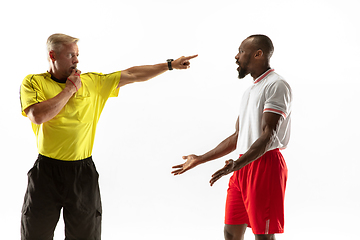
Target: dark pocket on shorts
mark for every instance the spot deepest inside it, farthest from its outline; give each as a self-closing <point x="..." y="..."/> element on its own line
<point x="25" y="209"/>
<point x="33" y="168"/>
<point x="98" y="212"/>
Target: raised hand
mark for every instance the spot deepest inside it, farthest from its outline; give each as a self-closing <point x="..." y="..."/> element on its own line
<point x="191" y="162"/>
<point x="74" y="80"/>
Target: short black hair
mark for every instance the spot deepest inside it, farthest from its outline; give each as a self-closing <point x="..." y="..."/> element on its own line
<point x="264" y="43"/>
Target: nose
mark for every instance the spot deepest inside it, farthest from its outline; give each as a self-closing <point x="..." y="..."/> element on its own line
<point x="237" y="59"/>
<point x="75" y="60"/>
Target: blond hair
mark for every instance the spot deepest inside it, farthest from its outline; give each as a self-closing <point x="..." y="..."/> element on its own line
<point x="55" y="41"/>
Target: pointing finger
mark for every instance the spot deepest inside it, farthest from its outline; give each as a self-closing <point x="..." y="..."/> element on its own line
<point x="191" y="57"/>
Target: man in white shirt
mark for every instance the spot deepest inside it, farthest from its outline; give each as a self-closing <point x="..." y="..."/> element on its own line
<point x="256" y="190"/>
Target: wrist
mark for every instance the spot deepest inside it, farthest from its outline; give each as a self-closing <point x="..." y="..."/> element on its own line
<point x="202" y="159"/>
<point x="169" y="64"/>
<point x="70" y="89"/>
<point x="73" y="84"/>
<point x="239" y="163"/>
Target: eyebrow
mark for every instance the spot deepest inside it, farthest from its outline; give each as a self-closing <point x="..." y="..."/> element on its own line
<point x="73" y="53"/>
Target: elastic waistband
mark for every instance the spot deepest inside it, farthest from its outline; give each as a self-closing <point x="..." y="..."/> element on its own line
<point x="62" y="162"/>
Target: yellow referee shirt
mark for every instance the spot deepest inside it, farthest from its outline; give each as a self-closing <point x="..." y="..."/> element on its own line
<point x="69" y="136"/>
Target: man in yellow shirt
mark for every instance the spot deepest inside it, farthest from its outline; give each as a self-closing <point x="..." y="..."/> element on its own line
<point x="64" y="107"/>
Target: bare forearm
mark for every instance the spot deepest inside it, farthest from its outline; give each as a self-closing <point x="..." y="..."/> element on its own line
<point x="225" y="147"/>
<point x="257" y="149"/>
<point x="45" y="111"/>
<point x="146" y="72"/>
<point x="270" y="125"/>
<point x="142" y="73"/>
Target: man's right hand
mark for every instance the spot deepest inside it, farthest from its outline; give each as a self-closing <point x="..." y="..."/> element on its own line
<point x="44" y="111"/>
<point x="74" y="81"/>
<point x="191" y="162"/>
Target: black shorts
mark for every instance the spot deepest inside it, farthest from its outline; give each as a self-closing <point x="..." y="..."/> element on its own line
<point x="55" y="184"/>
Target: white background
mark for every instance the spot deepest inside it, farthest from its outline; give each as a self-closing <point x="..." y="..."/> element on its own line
<point x="146" y="130"/>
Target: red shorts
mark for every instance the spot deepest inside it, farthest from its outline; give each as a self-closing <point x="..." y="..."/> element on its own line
<point x="256" y="194"/>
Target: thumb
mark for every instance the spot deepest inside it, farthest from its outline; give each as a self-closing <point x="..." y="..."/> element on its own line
<point x="228" y="162"/>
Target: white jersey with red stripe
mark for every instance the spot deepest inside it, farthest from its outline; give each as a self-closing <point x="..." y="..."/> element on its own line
<point x="270" y="93"/>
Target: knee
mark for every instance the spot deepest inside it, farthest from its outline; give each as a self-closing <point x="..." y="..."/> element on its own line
<point x="265" y="237"/>
<point x="233" y="233"/>
<point x="230" y="236"/>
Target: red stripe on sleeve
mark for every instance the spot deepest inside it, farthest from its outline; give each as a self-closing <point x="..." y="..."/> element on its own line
<point x="275" y="110"/>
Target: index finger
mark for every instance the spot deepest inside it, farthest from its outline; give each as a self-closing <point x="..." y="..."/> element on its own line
<point x="178" y="166"/>
<point x="191" y="57"/>
<point x="214" y="179"/>
<point x="218" y="173"/>
<point x="76" y="72"/>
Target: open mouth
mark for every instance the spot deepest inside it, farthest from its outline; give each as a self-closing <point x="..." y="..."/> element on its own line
<point x="239" y="67"/>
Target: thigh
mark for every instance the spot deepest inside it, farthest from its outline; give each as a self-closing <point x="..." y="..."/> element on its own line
<point x="235" y="211"/>
<point x="266" y="194"/>
<point x="82" y="211"/>
<point x="41" y="210"/>
<point x="39" y="224"/>
<point x="82" y="225"/>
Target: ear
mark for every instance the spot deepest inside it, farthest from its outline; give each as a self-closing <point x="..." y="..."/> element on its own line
<point x="52" y="55"/>
<point x="259" y="53"/>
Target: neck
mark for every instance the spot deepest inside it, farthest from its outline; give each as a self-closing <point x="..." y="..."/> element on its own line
<point x="259" y="71"/>
<point x="56" y="75"/>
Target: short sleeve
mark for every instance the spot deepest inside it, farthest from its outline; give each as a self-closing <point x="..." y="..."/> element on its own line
<point x="30" y="93"/>
<point x="278" y="98"/>
<point x="107" y="83"/>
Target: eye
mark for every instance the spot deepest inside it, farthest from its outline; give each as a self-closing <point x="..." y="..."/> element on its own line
<point x="72" y="55"/>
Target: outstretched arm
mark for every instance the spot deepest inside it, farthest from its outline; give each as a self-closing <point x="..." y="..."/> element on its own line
<point x="224" y="148"/>
<point x="270" y="125"/>
<point x="146" y="72"/>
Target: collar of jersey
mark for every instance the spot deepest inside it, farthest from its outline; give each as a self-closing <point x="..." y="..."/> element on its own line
<point x="53" y="78"/>
<point x="264" y="75"/>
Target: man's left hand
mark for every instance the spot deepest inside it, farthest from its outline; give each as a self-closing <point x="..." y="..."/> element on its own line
<point x="228" y="168"/>
<point x="182" y="62"/>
